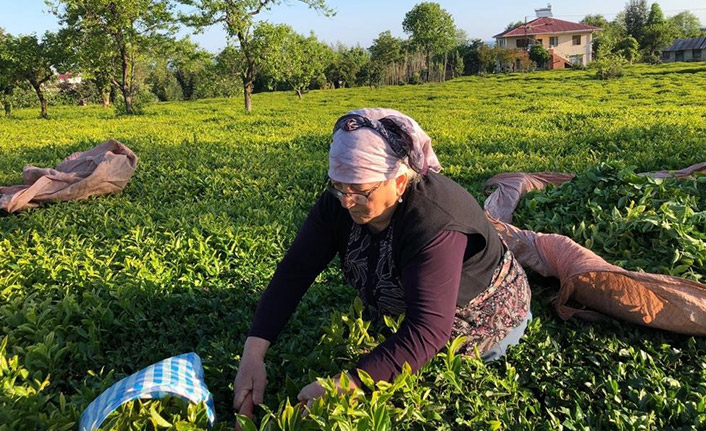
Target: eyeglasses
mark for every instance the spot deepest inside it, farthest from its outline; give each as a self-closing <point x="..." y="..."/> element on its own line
<point x="361" y="198"/>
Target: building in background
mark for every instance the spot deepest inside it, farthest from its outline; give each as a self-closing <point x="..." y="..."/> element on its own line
<point x="569" y="43"/>
<point x="685" y="50"/>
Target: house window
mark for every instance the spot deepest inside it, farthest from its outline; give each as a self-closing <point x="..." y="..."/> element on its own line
<point x="576" y="39"/>
<point x="665" y="55"/>
<point x="553" y="41"/>
<point x="576" y="59"/>
<point x="696" y="54"/>
<point x="521" y="43"/>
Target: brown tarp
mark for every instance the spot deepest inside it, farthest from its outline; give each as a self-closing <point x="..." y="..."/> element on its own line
<point x="102" y="170"/>
<point x="659" y="301"/>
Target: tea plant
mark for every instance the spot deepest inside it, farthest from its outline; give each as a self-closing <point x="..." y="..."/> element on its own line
<point x="637" y="222"/>
<point x="92" y="291"/>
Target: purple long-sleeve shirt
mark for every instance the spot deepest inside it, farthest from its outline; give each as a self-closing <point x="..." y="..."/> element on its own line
<point x="430" y="280"/>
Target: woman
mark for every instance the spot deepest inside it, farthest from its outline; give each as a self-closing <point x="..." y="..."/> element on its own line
<point x="410" y="241"/>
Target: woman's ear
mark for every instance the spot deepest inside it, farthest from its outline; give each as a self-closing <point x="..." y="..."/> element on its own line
<point x="401" y="183"/>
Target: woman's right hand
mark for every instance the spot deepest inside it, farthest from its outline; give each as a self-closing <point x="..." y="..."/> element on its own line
<point x="250" y="382"/>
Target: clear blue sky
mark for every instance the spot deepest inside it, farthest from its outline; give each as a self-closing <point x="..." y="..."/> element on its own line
<point x="359" y="22"/>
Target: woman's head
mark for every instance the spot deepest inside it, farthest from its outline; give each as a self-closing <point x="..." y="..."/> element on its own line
<point x="377" y="144"/>
<point x="374" y="155"/>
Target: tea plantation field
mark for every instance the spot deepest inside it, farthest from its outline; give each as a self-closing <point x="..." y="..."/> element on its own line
<point x="95" y="290"/>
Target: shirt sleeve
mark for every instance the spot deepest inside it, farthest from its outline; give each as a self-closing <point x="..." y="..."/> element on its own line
<point x="311" y="251"/>
<point x="431" y="282"/>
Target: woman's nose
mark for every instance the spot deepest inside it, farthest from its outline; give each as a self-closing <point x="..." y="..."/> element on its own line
<point x="346" y="201"/>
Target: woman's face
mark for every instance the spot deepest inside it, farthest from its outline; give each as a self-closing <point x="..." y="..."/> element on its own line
<point x="382" y="199"/>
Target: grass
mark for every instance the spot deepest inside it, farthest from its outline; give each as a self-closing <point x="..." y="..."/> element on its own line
<point x="95" y="290"/>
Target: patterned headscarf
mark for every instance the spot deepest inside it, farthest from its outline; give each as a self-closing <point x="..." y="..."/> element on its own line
<point x="377" y="144"/>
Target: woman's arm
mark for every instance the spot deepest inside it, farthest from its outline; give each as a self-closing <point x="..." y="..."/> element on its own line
<point x="313" y="248"/>
<point x="431" y="281"/>
<point x="311" y="251"/>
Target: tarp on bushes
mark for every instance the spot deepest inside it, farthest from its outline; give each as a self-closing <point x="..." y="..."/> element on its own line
<point x="660" y="301"/>
<point x="105" y="169"/>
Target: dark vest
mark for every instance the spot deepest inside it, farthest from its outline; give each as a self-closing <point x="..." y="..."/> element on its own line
<point x="433" y="205"/>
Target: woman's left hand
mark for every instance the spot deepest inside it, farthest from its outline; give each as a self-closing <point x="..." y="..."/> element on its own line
<point x="314" y="390"/>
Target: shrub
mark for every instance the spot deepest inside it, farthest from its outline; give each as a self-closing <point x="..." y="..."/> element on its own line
<point x="609" y="67"/>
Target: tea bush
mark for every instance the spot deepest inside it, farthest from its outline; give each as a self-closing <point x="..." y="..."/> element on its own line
<point x="92" y="291"/>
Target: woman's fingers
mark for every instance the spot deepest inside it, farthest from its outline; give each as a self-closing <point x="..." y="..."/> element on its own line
<point x="258" y="389"/>
<point x="311" y="391"/>
<point x="247" y="407"/>
<point x="239" y="397"/>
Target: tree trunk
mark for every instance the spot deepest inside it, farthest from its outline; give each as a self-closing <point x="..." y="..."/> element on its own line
<point x="124" y="85"/>
<point x="106" y="97"/>
<point x="299" y="92"/>
<point x="40" y="95"/>
<point x="446" y="62"/>
<point x="428" y="64"/>
<point x="6" y="102"/>
<point x="247" y="92"/>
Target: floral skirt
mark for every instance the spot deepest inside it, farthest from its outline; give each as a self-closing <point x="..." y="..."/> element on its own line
<point x="489" y="317"/>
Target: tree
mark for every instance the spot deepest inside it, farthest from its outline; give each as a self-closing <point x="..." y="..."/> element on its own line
<point x="686" y="25"/>
<point x="432" y="29"/>
<point x="657" y="33"/>
<point x="9" y="78"/>
<point x="371" y="74"/>
<point x="116" y="32"/>
<point x="628" y="48"/>
<point x="456" y="65"/>
<point x="514" y="25"/>
<point x="539" y="55"/>
<point x="596" y="20"/>
<point x="386" y="49"/>
<point x="292" y="58"/>
<point x="344" y="69"/>
<point x="237" y="18"/>
<point x="478" y="57"/>
<point x="33" y="60"/>
<point x="636" y="15"/>
<point x="189" y="63"/>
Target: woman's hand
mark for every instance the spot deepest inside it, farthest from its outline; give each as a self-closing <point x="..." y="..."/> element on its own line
<point x="314" y="390"/>
<point x="250" y="382"/>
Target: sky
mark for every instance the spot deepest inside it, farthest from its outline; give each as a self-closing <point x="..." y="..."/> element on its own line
<point x="358" y="22"/>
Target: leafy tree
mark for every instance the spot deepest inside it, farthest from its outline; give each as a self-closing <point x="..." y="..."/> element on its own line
<point x="161" y="79"/>
<point x="657" y="33"/>
<point x="478" y="57"/>
<point x="612" y="32"/>
<point x="635" y="18"/>
<point x="432" y="29"/>
<point x="189" y="63"/>
<point x="596" y="20"/>
<point x="345" y="68"/>
<point x="514" y="25"/>
<point x="116" y="32"/>
<point x="33" y="60"/>
<point x="539" y="55"/>
<point x="686" y="25"/>
<point x="371" y="74"/>
<point x="386" y="49"/>
<point x="9" y="78"/>
<point x="456" y="65"/>
<point x="91" y="55"/>
<point x="237" y="18"/>
<point x="293" y="58"/>
<point x="656" y="15"/>
<point x="628" y="48"/>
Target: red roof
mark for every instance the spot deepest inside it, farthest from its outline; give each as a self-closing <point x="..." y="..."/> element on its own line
<point x="547" y="25"/>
